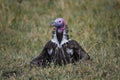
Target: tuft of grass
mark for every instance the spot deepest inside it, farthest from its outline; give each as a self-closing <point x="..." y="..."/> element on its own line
<point x="24" y="30"/>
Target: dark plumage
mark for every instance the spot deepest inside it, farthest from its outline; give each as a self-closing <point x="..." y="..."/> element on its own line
<point x="60" y="49"/>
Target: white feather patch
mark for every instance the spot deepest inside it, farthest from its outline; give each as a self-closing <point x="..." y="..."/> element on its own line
<point x="64" y="39"/>
<point x="54" y="39"/>
<point x="69" y="51"/>
<point x="50" y="51"/>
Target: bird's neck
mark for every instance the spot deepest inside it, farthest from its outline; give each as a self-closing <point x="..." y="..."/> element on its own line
<point x="59" y="37"/>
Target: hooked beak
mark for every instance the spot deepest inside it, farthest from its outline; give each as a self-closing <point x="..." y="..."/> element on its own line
<point x="52" y="24"/>
<point x="56" y="25"/>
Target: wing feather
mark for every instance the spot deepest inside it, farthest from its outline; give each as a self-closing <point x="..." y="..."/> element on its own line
<point x="79" y="52"/>
<point x="44" y="56"/>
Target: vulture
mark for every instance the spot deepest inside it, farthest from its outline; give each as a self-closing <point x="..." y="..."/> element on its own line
<point x="60" y="50"/>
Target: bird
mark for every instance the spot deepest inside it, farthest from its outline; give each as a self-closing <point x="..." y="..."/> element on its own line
<point x="60" y="50"/>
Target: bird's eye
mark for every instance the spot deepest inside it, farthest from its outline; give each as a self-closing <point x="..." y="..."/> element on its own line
<point x="59" y="21"/>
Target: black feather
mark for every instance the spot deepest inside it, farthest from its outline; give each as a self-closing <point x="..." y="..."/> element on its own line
<point x="59" y="55"/>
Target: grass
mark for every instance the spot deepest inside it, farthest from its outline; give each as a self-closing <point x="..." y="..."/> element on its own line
<point x="24" y="30"/>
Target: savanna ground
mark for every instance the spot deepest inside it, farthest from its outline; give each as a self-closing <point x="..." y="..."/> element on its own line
<point x="25" y="28"/>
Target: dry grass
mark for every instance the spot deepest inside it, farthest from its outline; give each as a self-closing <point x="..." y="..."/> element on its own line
<point x="24" y="30"/>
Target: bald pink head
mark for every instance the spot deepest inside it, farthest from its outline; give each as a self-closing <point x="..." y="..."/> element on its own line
<point x="60" y="24"/>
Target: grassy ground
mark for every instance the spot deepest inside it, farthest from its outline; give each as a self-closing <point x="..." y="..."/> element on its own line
<point x="24" y="30"/>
